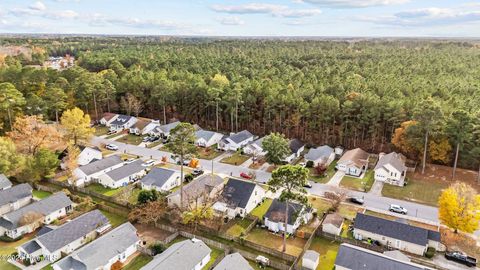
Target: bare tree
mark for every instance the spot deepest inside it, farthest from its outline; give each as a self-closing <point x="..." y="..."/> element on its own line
<point x="131" y="104"/>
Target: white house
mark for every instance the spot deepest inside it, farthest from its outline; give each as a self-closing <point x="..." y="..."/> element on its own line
<point x="44" y="212"/>
<point x="123" y="175"/>
<point x="144" y="126"/>
<point x="160" y="179"/>
<point x="298" y="214"/>
<point x="310" y="259"/>
<point x="107" y="118"/>
<point x="65" y="238"/>
<point x="333" y="224"/>
<point x="391" y="169"/>
<point x="88" y="154"/>
<point x="118" y="245"/>
<point x="296" y="148"/>
<point x="206" y="138"/>
<point x="239" y="198"/>
<point x="83" y="175"/>
<point x="255" y="148"/>
<point x="236" y="141"/>
<point x="164" y="130"/>
<point x="122" y="122"/>
<point x="353" y="162"/>
<point x="14" y="198"/>
<point x="192" y="254"/>
<point x="320" y="155"/>
<point x="4" y="182"/>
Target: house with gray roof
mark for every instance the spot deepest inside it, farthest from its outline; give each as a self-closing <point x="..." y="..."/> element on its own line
<point x="205" y="186"/>
<point x="320" y="155"/>
<point x="190" y="254"/>
<point x="233" y="261"/>
<point x="161" y="179"/>
<point x="123" y="175"/>
<point x="391" y="169"/>
<point x="4" y="182"/>
<point x="255" y="148"/>
<point x="310" y="259"/>
<point x="396" y="234"/>
<point x="351" y="257"/>
<point x="164" y="130"/>
<point x="239" y="198"/>
<point x="117" y="245"/>
<point x="122" y="122"/>
<point x="207" y="138"/>
<point x="296" y="149"/>
<point x="298" y="214"/>
<point x="30" y="217"/>
<point x="14" y="198"/>
<point x="236" y="141"/>
<point x="83" y="175"/>
<point x="65" y="238"/>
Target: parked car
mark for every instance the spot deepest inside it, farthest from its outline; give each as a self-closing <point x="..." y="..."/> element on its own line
<point x="245" y="175"/>
<point x="130" y="160"/>
<point x="111" y="146"/>
<point x="357" y="200"/>
<point x="307" y="185"/>
<point x="110" y="132"/>
<point x="148" y="163"/>
<point x="197" y="172"/>
<point x="185" y="162"/>
<point x="146" y="139"/>
<point x="398" y="209"/>
<point x="461" y="258"/>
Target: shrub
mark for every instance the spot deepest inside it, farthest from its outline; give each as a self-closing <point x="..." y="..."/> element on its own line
<point x="430" y="252"/>
<point x="7" y="239"/>
<point x="157" y="248"/>
<point x="188" y="178"/>
<point x="309" y="164"/>
<point x="147" y="196"/>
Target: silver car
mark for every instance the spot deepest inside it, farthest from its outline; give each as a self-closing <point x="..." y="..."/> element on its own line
<point x="398" y="209"/>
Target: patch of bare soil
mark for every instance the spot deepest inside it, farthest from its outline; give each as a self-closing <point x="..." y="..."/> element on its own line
<point x="444" y="174"/>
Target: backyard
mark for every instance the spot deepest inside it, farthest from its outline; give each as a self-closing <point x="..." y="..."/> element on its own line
<point x="323" y="178"/>
<point x="328" y="252"/>
<point x="131" y="139"/>
<point x="208" y="153"/>
<point x="353" y="183"/>
<point x="238" y="227"/>
<point x="39" y="194"/>
<point x="97" y="188"/>
<point x="213" y="256"/>
<point x="7" y="248"/>
<point x="417" y="191"/>
<point x="265" y="238"/>
<point x="138" y="262"/>
<point x="114" y="219"/>
<point x="260" y="211"/>
<point x="235" y="159"/>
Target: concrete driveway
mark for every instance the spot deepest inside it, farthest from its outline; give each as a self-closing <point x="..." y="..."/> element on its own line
<point x="336" y="178"/>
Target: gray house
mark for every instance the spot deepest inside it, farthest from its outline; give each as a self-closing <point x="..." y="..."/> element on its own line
<point x="4" y="182"/>
<point x="320" y="155"/>
<point x="14" y="198"/>
<point x="236" y="141"/>
<point x="161" y="179"/>
<point x="233" y="261"/>
<point x="85" y="174"/>
<point x="123" y="175"/>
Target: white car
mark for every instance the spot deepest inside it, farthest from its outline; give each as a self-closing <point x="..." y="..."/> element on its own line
<point x="148" y="163"/>
<point x="398" y="209"/>
<point x="111" y="146"/>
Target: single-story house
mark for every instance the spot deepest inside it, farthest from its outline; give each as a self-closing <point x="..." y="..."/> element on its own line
<point x="206" y="138"/>
<point x="65" y="238"/>
<point x="14" y="224"/>
<point x="90" y="172"/>
<point x="238" y="198"/>
<point x="122" y="122"/>
<point x="164" y="130"/>
<point x="117" y="245"/>
<point x="144" y="126"/>
<point x="296" y="148"/>
<point x="351" y="257"/>
<point x="333" y="224"/>
<point x="255" y="148"/>
<point x="396" y="234"/>
<point x="298" y="214"/>
<point x="192" y="254"/>
<point x="233" y="261"/>
<point x="391" y="169"/>
<point x="124" y="175"/>
<point x="87" y="155"/>
<point x="236" y="141"/>
<point x="310" y="259"/>
<point x="195" y="191"/>
<point x="14" y="198"/>
<point x="4" y="182"/>
<point x="108" y="118"/>
<point x="353" y="162"/>
<point x="161" y="179"/>
<point x="320" y="155"/>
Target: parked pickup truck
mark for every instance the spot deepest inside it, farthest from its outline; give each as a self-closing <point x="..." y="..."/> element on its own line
<point x="461" y="258"/>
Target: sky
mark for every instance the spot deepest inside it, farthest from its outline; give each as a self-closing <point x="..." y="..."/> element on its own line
<point x="369" y="18"/>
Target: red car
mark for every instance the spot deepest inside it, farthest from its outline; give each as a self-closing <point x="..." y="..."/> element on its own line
<point x="245" y="175"/>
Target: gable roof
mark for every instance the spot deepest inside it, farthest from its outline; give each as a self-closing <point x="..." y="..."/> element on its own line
<point x="182" y="255"/>
<point x="205" y="134"/>
<point x="4" y="182"/>
<point x="334" y="219"/>
<point x="15" y="193"/>
<point x="107" y="116"/>
<point x="352" y="257"/>
<point x="101" y="165"/>
<point x="126" y="170"/>
<point x="311" y="255"/>
<point x="71" y="231"/>
<point x="237" y="193"/>
<point x="45" y="207"/>
<point x="142" y="123"/>
<point x="393" y="159"/>
<point x="357" y="156"/>
<point x="100" y="251"/>
<point x="240" y="136"/>
<point x="233" y="261"/>
<point x="258" y="143"/>
<point x="320" y="152"/>
<point x="121" y="120"/>
<point x="157" y="177"/>
<point x="276" y="211"/>
<point x="197" y="187"/>
<point x="168" y="127"/>
<point x="394" y="229"/>
<point x="295" y="145"/>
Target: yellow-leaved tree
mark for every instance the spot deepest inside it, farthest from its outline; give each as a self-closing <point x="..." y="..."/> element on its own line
<point x="440" y="150"/>
<point x="77" y="125"/>
<point x="459" y="207"/>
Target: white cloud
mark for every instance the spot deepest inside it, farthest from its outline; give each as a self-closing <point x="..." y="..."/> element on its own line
<point x="232" y="20"/>
<point x="354" y="3"/>
<point x="261" y="8"/>
<point x="38" y="6"/>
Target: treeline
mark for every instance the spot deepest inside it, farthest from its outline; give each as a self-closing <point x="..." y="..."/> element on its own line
<point x="354" y="94"/>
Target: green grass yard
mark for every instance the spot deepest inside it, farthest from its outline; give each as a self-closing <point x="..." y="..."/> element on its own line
<point x="238" y="227"/>
<point x="131" y="139"/>
<point x="260" y="211"/>
<point x="328" y="252"/>
<point x="100" y="130"/>
<point x="115" y="220"/>
<point x="39" y="194"/>
<point x="213" y="257"/>
<point x="328" y="174"/>
<point x="208" y="153"/>
<point x="137" y="263"/>
<point x="235" y="159"/>
<point x="153" y="144"/>
<point x="426" y="192"/>
<point x="364" y="184"/>
<point x="134" y="196"/>
<point x="265" y="238"/>
<point x="97" y="188"/>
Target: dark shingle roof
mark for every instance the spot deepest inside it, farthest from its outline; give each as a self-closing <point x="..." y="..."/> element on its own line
<point x="4" y="182"/>
<point x="15" y="193"/>
<point x="295" y="145"/>
<point x="356" y="258"/>
<point x="100" y="165"/>
<point x="393" y="229"/>
<point x="31" y="246"/>
<point x="121" y="120"/>
<point x="236" y="193"/>
<point x="240" y="136"/>
<point x="320" y="152"/>
<point x="276" y="212"/>
<point x="126" y="170"/>
<point x="157" y="177"/>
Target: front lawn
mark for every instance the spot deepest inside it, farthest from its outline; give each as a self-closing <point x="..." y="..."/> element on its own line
<point x="137" y="263"/>
<point x="323" y="178"/>
<point x="235" y="159"/>
<point x="114" y="219"/>
<point x="364" y="184"/>
<point x="420" y="191"/>
<point x="275" y="241"/>
<point x="131" y="139"/>
<point x="100" y="130"/>
<point x="328" y="252"/>
<point x="322" y="205"/>
<point x="39" y="194"/>
<point x="97" y="188"/>
<point x="238" y="227"/>
<point x="261" y="210"/>
<point x="213" y="257"/>
<point x="208" y="153"/>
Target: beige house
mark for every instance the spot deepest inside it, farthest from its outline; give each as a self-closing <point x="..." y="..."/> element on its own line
<point x="197" y="191"/>
<point x="353" y="162"/>
<point x="333" y="224"/>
